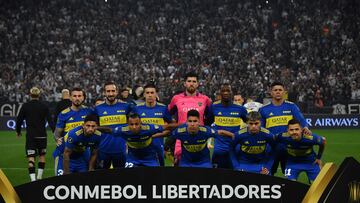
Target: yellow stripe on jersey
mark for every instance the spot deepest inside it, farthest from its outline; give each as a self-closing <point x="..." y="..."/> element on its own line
<point x="278" y="121"/>
<point x="112" y="120"/>
<point x="70" y="126"/>
<point x="227" y="121"/>
<point x="194" y="147"/>
<point x="139" y="145"/>
<point x="299" y="152"/>
<point x="157" y="121"/>
<point x="253" y="149"/>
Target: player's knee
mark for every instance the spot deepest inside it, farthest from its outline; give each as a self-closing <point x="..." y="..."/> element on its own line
<point x="31" y="164"/>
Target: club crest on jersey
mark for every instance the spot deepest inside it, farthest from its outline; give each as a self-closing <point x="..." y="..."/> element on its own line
<point x="200" y="104"/>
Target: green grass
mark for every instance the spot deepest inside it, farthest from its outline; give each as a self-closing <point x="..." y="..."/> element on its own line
<point x="340" y="144"/>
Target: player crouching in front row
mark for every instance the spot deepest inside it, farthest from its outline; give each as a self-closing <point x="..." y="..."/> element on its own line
<point x="301" y="155"/>
<point x="194" y="139"/>
<point x="76" y="156"/>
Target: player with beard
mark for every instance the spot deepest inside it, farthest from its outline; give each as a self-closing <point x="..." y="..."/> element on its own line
<point x="190" y="99"/>
<point x="69" y="119"/>
<point x="112" y="113"/>
<point x="226" y="115"/>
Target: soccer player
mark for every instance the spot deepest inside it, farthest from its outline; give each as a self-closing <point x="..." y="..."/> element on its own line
<point x="238" y="99"/>
<point x="301" y="155"/>
<point x="76" y="156"/>
<point x="193" y="137"/>
<point x="229" y="116"/>
<point x="35" y="113"/>
<point x="254" y="155"/>
<point x="182" y="103"/>
<point x="112" y="113"/>
<point x="153" y="112"/>
<point x="138" y="136"/>
<point x="275" y="117"/>
<point x="69" y="119"/>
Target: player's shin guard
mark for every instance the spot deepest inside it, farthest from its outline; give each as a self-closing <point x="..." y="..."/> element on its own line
<point x="41" y="166"/>
<point x="32" y="170"/>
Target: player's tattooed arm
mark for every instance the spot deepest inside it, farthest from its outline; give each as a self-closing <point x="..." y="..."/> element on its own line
<point x="57" y="135"/>
<point x="66" y="160"/>
<point x="93" y="158"/>
<point x="320" y="152"/>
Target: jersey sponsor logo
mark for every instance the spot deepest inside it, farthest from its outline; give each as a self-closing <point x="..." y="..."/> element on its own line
<point x="299" y="152"/>
<point x="112" y="120"/>
<point x="72" y="125"/>
<point x="253" y="149"/>
<point x="278" y="121"/>
<point x="194" y="147"/>
<point x="186" y="109"/>
<point x="227" y="121"/>
<point x="139" y="145"/>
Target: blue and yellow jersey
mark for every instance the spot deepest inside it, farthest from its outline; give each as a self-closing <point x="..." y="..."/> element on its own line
<point x="302" y="150"/>
<point x="253" y="147"/>
<point x="157" y="115"/>
<point x="112" y="116"/>
<point x="78" y="142"/>
<point x="140" y="149"/>
<point x="194" y="147"/>
<point x="229" y="118"/>
<point x="275" y="118"/>
<point x="69" y="119"/>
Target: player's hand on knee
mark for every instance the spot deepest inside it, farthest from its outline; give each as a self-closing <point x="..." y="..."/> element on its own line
<point x="264" y="171"/>
<point x="58" y="141"/>
<point x="318" y="162"/>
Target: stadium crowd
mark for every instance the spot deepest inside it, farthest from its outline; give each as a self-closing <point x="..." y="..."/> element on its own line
<point x="312" y="46"/>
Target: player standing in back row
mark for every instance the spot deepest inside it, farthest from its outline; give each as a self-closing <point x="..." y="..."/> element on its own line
<point x="190" y="99"/>
<point x="275" y="117"/>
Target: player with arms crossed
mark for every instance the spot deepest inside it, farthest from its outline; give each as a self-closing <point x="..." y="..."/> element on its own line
<point x="301" y="155"/>
<point x="229" y="116"/>
<point x="153" y="112"/>
<point x="69" y="119"/>
<point x="189" y="100"/>
<point x="194" y="137"/>
<point x="112" y="113"/>
<point x="275" y="117"/>
<point x="77" y="141"/>
<point x="255" y="146"/>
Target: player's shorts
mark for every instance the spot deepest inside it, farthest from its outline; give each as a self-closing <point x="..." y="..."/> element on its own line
<point x="105" y="160"/>
<point x="195" y="165"/>
<point x="35" y="146"/>
<point x="254" y="167"/>
<point x="136" y="163"/>
<point x="158" y="144"/>
<point x="59" y="169"/>
<point x="293" y="170"/>
<point x="221" y="159"/>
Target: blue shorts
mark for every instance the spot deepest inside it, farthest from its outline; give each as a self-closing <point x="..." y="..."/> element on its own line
<point x="138" y="163"/>
<point x="59" y="170"/>
<point x="158" y="144"/>
<point x="254" y="167"/>
<point x="104" y="160"/>
<point x="195" y="165"/>
<point x="221" y="159"/>
<point x="80" y="164"/>
<point x="293" y="170"/>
